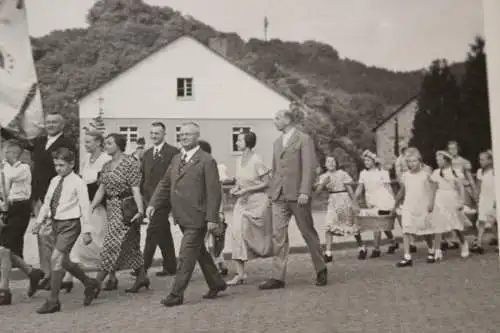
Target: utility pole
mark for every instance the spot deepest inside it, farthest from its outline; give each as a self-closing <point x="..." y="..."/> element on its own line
<point x="266" y="25"/>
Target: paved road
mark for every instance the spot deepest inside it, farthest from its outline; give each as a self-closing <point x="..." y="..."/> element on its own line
<point x="454" y="296"/>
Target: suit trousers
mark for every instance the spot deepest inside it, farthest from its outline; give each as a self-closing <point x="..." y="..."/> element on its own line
<point x="282" y="212"/>
<point x="193" y="249"/>
<point x="158" y="234"/>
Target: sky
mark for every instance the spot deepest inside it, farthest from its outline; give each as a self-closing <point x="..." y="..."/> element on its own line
<point x="394" y="34"/>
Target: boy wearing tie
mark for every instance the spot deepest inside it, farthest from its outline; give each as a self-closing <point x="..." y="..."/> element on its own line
<point x="66" y="204"/>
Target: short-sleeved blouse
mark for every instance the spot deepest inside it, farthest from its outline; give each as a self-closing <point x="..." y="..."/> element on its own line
<point x="90" y="171"/>
<point x="251" y="173"/>
<point x="122" y="178"/>
<point x="446" y="179"/>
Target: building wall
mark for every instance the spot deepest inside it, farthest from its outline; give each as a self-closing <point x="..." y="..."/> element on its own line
<point x="217" y="132"/>
<point x="385" y="134"/>
<point x="149" y="89"/>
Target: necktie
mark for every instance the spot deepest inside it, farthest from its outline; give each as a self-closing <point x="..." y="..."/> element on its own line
<point x="54" y="202"/>
<point x="183" y="161"/>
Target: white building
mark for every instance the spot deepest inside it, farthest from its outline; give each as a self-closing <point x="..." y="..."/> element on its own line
<point x="188" y="81"/>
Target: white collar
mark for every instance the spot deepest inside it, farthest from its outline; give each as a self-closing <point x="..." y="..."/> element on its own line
<point x="188" y="154"/>
<point x="55" y="137"/>
<point x="158" y="147"/>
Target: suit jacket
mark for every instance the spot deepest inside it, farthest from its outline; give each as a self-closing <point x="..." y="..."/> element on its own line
<point x="194" y="191"/>
<point x="153" y="170"/>
<point x="43" y="164"/>
<point x="294" y="167"/>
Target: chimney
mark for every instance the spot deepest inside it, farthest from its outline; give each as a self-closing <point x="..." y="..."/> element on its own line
<point x="219" y="45"/>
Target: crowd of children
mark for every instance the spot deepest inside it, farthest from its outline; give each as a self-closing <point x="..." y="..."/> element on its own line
<point x="428" y="203"/>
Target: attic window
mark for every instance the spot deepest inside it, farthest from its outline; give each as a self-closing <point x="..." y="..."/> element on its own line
<point x="185" y="88"/>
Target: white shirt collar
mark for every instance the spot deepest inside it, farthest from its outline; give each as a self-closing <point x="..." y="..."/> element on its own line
<point x="159" y="147"/>
<point x="189" y="153"/>
<point x="288" y="135"/>
<point x="52" y="139"/>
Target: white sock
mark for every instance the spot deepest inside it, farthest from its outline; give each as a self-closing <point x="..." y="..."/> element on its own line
<point x="407" y="256"/>
<point x="328" y="253"/>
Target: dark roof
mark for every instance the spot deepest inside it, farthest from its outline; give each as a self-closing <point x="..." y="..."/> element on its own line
<point x="272" y="87"/>
<point x="395" y="112"/>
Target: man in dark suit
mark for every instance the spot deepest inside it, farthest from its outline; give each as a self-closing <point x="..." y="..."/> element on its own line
<point x="192" y="185"/>
<point x="43" y="171"/>
<point x="294" y="168"/>
<point x="154" y="164"/>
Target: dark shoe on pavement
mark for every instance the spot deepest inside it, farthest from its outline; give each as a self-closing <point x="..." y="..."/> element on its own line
<point x="493" y="242"/>
<point x="272" y="284"/>
<point x="92" y="290"/>
<point x="431" y="259"/>
<point x="477" y="249"/>
<point x="405" y="263"/>
<point x="172" y="300"/>
<point x="213" y="293"/>
<point x="111" y="284"/>
<point x="413" y="249"/>
<point x="49" y="307"/>
<point x="322" y="278"/>
<point x="362" y="254"/>
<point x="375" y="254"/>
<point x="35" y="277"/>
<point x="164" y="273"/>
<point x="392" y="248"/>
<point x="327" y="258"/>
<point x="5" y="297"/>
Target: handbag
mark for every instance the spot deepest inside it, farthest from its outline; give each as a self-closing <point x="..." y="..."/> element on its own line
<point x="129" y="209"/>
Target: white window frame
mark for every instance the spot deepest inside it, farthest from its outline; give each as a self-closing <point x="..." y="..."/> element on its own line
<point x="131" y="133"/>
<point x="187" y="88"/>
<point x="235" y="131"/>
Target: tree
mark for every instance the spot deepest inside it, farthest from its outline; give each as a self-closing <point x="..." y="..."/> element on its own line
<point x="436" y="121"/>
<point x="475" y="127"/>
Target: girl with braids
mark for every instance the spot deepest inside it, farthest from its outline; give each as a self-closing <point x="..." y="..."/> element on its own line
<point x="447" y="214"/>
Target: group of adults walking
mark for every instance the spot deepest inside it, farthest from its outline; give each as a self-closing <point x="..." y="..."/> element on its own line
<point x="186" y="184"/>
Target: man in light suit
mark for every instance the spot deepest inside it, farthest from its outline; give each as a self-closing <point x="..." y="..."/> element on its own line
<point x="192" y="185"/>
<point x="294" y="166"/>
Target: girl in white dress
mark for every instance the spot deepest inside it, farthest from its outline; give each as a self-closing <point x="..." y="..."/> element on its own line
<point x="89" y="255"/>
<point x="487" y="202"/>
<point x="416" y="195"/>
<point x="378" y="195"/>
<point x="449" y="203"/>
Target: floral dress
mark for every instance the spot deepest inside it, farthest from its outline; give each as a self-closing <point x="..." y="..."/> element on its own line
<point x="340" y="213"/>
<point x="121" y="245"/>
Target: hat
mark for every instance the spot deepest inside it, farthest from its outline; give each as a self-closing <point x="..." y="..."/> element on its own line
<point x="368" y="154"/>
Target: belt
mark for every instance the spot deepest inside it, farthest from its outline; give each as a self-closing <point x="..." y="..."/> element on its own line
<point x="334" y="192"/>
<point x="19" y="200"/>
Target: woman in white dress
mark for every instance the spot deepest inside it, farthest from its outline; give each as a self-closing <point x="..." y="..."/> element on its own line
<point x="89" y="255"/>
<point x="251" y="228"/>
<point x="416" y="195"/>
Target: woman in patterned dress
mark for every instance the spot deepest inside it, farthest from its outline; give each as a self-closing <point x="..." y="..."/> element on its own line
<point x="120" y="178"/>
<point x="340" y="214"/>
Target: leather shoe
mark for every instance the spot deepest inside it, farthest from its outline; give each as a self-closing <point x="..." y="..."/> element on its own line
<point x="272" y="284"/>
<point x="172" y="300"/>
<point x="322" y="278"/>
<point x="213" y="293"/>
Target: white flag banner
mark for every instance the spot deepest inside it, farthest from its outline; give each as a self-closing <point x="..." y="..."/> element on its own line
<point x="20" y="100"/>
